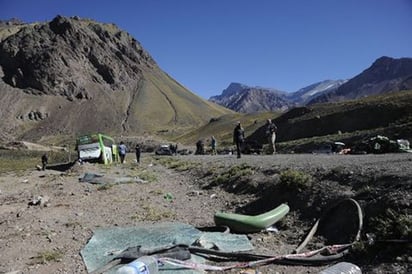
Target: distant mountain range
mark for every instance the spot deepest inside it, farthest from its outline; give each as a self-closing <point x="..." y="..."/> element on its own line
<point x="385" y="75"/>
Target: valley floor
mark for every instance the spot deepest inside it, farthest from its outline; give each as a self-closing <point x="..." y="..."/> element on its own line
<point x="48" y="238"/>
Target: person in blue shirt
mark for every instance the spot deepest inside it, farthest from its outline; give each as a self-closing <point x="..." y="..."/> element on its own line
<point x="122" y="152"/>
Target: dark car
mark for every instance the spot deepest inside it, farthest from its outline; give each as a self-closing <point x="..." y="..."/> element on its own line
<point x="163" y="150"/>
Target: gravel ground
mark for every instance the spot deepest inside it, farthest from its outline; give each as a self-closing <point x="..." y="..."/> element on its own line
<point x="61" y="228"/>
<point x="382" y="164"/>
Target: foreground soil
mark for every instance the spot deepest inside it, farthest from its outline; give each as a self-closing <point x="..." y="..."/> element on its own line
<point x="48" y="237"/>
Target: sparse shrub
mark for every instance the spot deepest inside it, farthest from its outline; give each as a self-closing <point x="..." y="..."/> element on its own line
<point x="105" y="187"/>
<point x="241" y="170"/>
<point x="15" y="160"/>
<point x="392" y="225"/>
<point x="233" y="174"/>
<point x="295" y="179"/>
<point x="221" y="179"/>
<point x="360" y="248"/>
<point x="209" y="172"/>
<point x="153" y="214"/>
<point x="178" y="166"/>
<point x="147" y="176"/>
<point x="47" y="256"/>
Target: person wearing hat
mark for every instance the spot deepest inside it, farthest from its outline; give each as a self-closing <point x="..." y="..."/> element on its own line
<point x="238" y="137"/>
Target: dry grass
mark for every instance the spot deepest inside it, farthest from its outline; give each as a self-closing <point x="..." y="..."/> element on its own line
<point x="153" y="214"/>
<point x="47" y="256"/>
<point x="18" y="160"/>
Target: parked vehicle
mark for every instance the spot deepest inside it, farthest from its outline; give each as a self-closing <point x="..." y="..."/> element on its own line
<point x="381" y="144"/>
<point x="163" y="150"/>
<point x="96" y="148"/>
<point x="329" y="147"/>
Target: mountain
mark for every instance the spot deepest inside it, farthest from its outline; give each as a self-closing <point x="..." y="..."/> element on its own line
<point x="72" y="76"/>
<point x="245" y="99"/>
<point x="308" y="93"/>
<point x="384" y="75"/>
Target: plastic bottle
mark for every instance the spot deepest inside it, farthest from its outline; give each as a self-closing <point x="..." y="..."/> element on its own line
<point x="342" y="268"/>
<point x="142" y="265"/>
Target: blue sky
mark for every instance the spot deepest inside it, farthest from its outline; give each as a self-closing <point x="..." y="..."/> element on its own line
<point x="287" y="45"/>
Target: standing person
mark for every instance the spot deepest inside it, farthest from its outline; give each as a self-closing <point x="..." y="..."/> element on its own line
<point x="271" y="130"/>
<point x="238" y="137"/>
<point x="173" y="149"/>
<point x="213" y="144"/>
<point x="44" y="161"/>
<point x="200" y="147"/>
<point x="138" y="151"/>
<point x="122" y="151"/>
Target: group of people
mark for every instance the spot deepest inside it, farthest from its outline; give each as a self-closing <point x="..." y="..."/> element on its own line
<point x="239" y="136"/>
<point x="122" y="149"/>
<point x="200" y="146"/>
<point x="238" y="140"/>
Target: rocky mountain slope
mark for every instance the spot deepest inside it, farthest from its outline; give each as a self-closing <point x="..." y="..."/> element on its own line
<point x="71" y="76"/>
<point x="385" y="75"/>
<point x="309" y="93"/>
<point x="245" y="99"/>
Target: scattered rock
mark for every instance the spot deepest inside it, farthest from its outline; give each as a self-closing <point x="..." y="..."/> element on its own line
<point x="195" y="193"/>
<point x="41" y="201"/>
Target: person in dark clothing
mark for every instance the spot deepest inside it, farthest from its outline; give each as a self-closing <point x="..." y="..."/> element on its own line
<point x="173" y="149"/>
<point x="213" y="144"/>
<point x="138" y="151"/>
<point x="238" y="137"/>
<point x="271" y="129"/>
<point x="200" y="147"/>
<point x="44" y="161"/>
